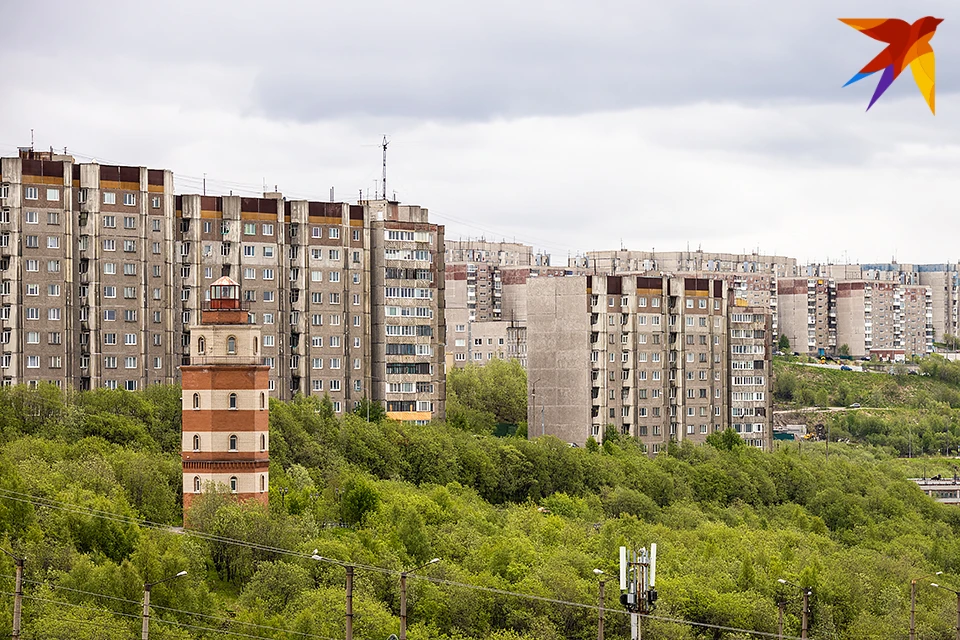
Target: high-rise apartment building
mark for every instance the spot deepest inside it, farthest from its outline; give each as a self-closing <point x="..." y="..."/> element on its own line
<point x="808" y="314"/>
<point x="753" y="276"/>
<point x="486" y="299"/>
<point x="105" y="269"/>
<point x="80" y="245"/>
<point x="659" y="358"/>
<point x="884" y="316"/>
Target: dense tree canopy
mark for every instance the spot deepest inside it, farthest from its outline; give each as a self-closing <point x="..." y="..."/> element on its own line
<point x="534" y="517"/>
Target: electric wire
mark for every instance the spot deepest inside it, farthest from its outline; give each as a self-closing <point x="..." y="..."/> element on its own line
<point x="139" y="616"/>
<point x="54" y="504"/>
<point x="170" y="609"/>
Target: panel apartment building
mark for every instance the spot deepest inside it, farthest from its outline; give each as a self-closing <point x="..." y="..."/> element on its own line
<point x="753" y="276"/>
<point x="349" y="297"/>
<point x="660" y="358"/>
<point x="943" y="279"/>
<point x="871" y="317"/>
<point x="486" y="299"/>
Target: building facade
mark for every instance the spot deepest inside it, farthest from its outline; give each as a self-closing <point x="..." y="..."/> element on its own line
<point x="105" y="270"/>
<point x="654" y="357"/>
<point x="879" y="316"/>
<point x="226" y="411"/>
<point x="808" y="314"/>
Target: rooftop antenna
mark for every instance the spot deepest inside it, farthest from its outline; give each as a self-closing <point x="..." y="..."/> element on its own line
<point x="31" y="139"/>
<point x="331" y="194"/>
<point x="204" y="184"/>
<point x="384" y="145"/>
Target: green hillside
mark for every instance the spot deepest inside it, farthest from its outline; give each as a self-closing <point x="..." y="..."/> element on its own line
<point x="502" y="513"/>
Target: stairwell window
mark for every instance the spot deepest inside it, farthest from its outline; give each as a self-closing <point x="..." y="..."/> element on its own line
<point x="196" y="405"/>
<point x="196" y="484"/>
<point x="233" y="401"/>
<point x="233" y="443"/>
<point x="231" y="347"/>
<point x="233" y="484"/>
<point x="201" y="345"/>
<point x="196" y="443"/>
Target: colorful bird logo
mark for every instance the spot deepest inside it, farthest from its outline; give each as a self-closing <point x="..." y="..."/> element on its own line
<point x="907" y="44"/>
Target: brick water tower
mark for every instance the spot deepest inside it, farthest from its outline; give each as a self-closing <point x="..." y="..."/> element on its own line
<point x="226" y="404"/>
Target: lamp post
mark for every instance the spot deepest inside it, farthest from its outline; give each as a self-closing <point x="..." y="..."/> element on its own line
<point x="403" y="596"/>
<point x="599" y="573"/>
<point x="913" y="605"/>
<point x="17" y="594"/>
<point x="349" y="589"/>
<point x="939" y="586"/>
<point x="147" y="586"/>
<point x="807" y="592"/>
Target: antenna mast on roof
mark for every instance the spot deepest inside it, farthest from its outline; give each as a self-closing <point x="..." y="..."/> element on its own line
<point x="384" y="145"/>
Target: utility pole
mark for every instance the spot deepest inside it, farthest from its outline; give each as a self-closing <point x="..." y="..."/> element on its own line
<point x="780" y="606"/>
<point x="403" y="596"/>
<point x="600" y="624"/>
<point x="913" y="609"/>
<point x="17" y="594"/>
<point x="806" y="611"/>
<point x="145" y="616"/>
<point x="349" y="622"/>
<point x="542" y="423"/>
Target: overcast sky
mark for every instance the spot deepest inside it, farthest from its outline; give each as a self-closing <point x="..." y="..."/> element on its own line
<point x="572" y="126"/>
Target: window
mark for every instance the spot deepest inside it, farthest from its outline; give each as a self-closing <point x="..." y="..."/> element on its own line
<point x="33" y="265"/>
<point x="334" y="233"/>
<point x="130" y="362"/>
<point x="196" y="405"/>
<point x="231" y="345"/>
<point x="263" y="402"/>
<point x="31" y="193"/>
<point x="33" y="313"/>
<point x="130" y="339"/>
<point x="109" y="292"/>
<point x="33" y="362"/>
<point x="53" y="242"/>
<point x="201" y="345"/>
<point x="130" y="199"/>
<point x="33" y="289"/>
<point x="32" y="217"/>
<point x="53" y="314"/>
<point x="129" y="246"/>
<point x="32" y="242"/>
<point x="266" y="229"/>
<point x="33" y="337"/>
<point x="110" y="245"/>
<point x="249" y="228"/>
<point x="249" y="251"/>
<point x="110" y="362"/>
<point x="155" y="204"/>
<point x="233" y="405"/>
<point x="268" y="274"/>
<point x="53" y="266"/>
<point x="53" y="217"/>
<point x="233" y="481"/>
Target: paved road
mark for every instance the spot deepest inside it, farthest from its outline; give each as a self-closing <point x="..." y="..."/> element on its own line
<point x="828" y="409"/>
<point x="828" y="366"/>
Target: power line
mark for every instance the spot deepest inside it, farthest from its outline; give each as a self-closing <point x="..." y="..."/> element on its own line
<point x="170" y="609"/>
<point x="138" y="616"/>
<point x="54" y="504"/>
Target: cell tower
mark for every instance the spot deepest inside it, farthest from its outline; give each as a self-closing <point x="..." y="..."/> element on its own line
<point x="638" y="574"/>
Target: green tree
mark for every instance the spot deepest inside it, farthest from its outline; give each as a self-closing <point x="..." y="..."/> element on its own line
<point x="370" y="411"/>
<point x="844" y="350"/>
<point x="783" y="344"/>
<point x="726" y="440"/>
<point x="360" y="497"/>
<point x="275" y="585"/>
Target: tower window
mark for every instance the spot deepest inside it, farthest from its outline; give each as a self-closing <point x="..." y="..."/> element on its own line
<point x="196" y="484"/>
<point x="233" y="443"/>
<point x="233" y="484"/>
<point x="256" y="345"/>
<point x="263" y="483"/>
<point x="201" y="345"/>
<point x="263" y="442"/>
<point x="263" y="401"/>
<point x="231" y="345"/>
<point x="233" y="401"/>
<point x="196" y="443"/>
<point x="196" y="401"/>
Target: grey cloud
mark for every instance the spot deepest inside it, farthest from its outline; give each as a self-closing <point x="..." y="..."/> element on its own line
<point x="442" y="60"/>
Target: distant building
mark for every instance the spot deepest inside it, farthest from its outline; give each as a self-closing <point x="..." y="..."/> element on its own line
<point x="226" y="411"/>
<point x="807" y="314"/>
<point x="659" y="358"/>
<point x="486" y="299"/>
<point x="875" y="316"/>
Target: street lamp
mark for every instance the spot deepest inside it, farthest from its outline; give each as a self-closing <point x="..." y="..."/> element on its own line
<point x="807" y="592"/>
<point x="599" y="573"/>
<point x="17" y="594"/>
<point x="349" y="568"/>
<point x="147" y="586"/>
<point x="403" y="596"/>
<point x="913" y="604"/>
<point x="939" y="586"/>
